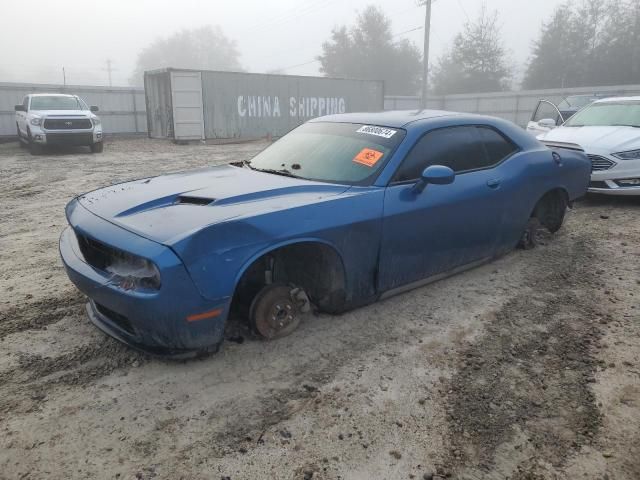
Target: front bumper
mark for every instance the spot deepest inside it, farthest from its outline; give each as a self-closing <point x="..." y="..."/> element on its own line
<point x="608" y="181"/>
<point x="154" y="321"/>
<point x="75" y="138"/>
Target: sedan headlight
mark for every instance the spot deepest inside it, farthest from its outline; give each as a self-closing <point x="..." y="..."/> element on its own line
<point x="630" y="155"/>
<point x="95" y="121"/>
<point x="36" y="121"/>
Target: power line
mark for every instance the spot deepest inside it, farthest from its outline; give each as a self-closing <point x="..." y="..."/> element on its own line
<point x="407" y="31"/>
<point x="464" y="11"/>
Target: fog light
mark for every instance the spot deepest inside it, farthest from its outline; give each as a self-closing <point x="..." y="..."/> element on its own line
<point x="630" y="182"/>
<point x="38" y="137"/>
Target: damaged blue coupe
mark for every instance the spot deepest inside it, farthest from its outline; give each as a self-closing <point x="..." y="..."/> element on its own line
<point x="340" y="212"/>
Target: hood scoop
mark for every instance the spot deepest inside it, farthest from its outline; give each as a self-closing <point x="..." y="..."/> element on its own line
<point x="189" y="200"/>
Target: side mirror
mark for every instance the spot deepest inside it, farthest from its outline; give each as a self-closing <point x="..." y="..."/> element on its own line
<point x="548" y="123"/>
<point x="436" y="175"/>
<point x="93" y="108"/>
<point x="20" y="108"/>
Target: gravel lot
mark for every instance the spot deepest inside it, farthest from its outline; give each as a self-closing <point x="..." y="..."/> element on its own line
<point x="526" y="368"/>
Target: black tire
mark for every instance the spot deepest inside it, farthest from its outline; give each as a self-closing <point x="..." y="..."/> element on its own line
<point x="273" y="313"/>
<point x="34" y="148"/>
<point x="551" y="210"/>
<point x="529" y="238"/>
<point x="20" y="142"/>
<point x="97" y="147"/>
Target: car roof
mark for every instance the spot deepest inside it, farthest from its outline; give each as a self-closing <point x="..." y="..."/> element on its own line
<point x="588" y="95"/>
<point x="51" y="95"/>
<point x="390" y="118"/>
<point x="618" y="99"/>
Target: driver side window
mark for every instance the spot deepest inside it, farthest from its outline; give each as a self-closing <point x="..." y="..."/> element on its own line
<point x="456" y="147"/>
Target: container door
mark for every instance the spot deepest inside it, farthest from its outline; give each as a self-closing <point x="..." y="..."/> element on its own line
<point x="186" y="96"/>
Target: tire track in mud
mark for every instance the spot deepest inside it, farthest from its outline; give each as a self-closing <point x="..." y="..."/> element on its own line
<point x="24" y="384"/>
<point x="40" y="314"/>
<point x="530" y="393"/>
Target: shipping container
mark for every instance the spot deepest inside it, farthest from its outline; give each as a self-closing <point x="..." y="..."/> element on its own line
<point x="195" y="105"/>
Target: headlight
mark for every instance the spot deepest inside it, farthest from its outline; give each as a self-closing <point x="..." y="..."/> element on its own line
<point x="630" y="155"/>
<point x="95" y="121"/>
<point x="36" y="121"/>
<point x="133" y="273"/>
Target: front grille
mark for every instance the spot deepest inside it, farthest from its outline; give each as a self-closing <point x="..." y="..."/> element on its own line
<point x="96" y="253"/>
<point x="598" y="185"/>
<point x="66" y="123"/>
<point x="70" y="139"/>
<point x="116" y="318"/>
<point x="599" y="163"/>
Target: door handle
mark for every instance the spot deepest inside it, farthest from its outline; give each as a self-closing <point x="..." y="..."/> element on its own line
<point x="493" y="183"/>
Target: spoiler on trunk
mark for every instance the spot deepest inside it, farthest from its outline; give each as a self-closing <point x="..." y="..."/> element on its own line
<point x="567" y="146"/>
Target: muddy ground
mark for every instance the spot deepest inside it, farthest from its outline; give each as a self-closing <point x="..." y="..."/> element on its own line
<point x="526" y="368"/>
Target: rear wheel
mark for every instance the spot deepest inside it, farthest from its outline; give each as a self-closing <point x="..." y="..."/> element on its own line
<point x="551" y="210"/>
<point x="549" y="213"/>
<point x="97" y="147"/>
<point x="529" y="237"/>
<point x="274" y="313"/>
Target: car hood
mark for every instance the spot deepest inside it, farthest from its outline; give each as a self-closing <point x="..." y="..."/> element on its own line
<point x="168" y="208"/>
<point x="62" y="113"/>
<point x="609" y="139"/>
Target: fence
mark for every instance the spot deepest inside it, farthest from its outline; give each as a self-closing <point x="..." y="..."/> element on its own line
<point x="122" y="109"/>
<point x="515" y="106"/>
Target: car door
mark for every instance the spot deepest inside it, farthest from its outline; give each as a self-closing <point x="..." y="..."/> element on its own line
<point x="545" y="118"/>
<point x="445" y="226"/>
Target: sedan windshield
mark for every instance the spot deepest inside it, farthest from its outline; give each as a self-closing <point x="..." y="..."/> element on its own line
<point x="55" y="102"/>
<point x="576" y="101"/>
<point x="607" y="114"/>
<point x="330" y="152"/>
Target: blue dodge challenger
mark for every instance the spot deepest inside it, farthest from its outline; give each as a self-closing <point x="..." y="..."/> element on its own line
<point x="340" y="212"/>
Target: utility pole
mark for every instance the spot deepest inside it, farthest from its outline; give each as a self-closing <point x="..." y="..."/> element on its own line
<point x="109" y="69"/>
<point x="64" y="77"/>
<point x="425" y="59"/>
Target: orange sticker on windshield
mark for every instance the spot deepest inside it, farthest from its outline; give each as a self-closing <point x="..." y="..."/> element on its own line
<point x="368" y="157"/>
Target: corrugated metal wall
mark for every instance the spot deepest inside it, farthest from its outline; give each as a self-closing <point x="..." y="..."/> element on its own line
<point x="255" y="105"/>
<point x="122" y="110"/>
<point x="157" y="89"/>
<point x="514" y="106"/>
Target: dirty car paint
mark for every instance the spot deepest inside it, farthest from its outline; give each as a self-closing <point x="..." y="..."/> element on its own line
<point x="203" y="229"/>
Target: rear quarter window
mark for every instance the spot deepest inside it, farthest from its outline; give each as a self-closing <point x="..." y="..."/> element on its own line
<point x="498" y="147"/>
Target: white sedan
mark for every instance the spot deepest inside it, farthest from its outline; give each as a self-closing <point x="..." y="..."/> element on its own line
<point x="609" y="132"/>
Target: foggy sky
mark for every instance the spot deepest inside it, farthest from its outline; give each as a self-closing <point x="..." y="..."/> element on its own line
<point x="40" y="36"/>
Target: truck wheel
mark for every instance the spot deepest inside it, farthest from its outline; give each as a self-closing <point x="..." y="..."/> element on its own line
<point x="34" y="148"/>
<point x="20" y="142"/>
<point x="97" y="147"/>
<point x="273" y="312"/>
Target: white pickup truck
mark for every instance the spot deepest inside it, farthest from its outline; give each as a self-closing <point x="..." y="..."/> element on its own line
<point x="57" y="119"/>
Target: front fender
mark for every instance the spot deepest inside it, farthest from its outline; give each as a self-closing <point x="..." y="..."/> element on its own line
<point x="218" y="255"/>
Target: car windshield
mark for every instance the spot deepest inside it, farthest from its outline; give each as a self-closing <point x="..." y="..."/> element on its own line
<point x="330" y="152"/>
<point x="576" y="101"/>
<point x="55" y="102"/>
<point x="607" y="114"/>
